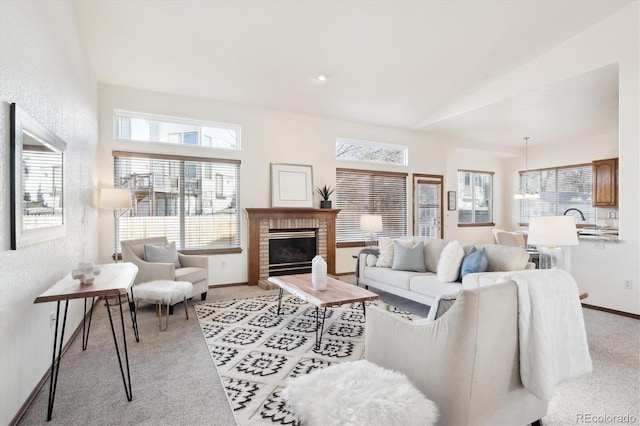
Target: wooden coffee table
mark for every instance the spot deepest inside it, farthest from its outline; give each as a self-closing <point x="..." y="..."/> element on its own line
<point x="337" y="293"/>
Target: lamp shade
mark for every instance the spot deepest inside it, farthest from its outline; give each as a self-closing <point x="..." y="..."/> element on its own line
<point x="371" y="222"/>
<point x="115" y="198"/>
<point x="552" y="231"/>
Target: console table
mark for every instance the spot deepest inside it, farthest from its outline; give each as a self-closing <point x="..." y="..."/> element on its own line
<point x="115" y="280"/>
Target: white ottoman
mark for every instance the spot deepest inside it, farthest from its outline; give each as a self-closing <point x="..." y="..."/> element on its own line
<point x="358" y="393"/>
<point x="163" y="293"/>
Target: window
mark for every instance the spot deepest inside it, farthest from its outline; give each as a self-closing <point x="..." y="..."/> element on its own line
<point x="153" y="128"/>
<point x="560" y="188"/>
<point x="176" y="197"/>
<point x="371" y="152"/>
<point x="361" y="192"/>
<point x="475" y="198"/>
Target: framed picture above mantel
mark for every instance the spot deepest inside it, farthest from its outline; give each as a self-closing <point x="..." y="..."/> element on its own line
<point x="291" y="185"/>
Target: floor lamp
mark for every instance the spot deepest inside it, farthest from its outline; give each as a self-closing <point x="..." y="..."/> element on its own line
<point x="118" y="200"/>
<point x="371" y="223"/>
<point x="547" y="233"/>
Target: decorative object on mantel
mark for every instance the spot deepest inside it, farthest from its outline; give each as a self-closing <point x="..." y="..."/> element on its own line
<point x="371" y="223"/>
<point x="85" y="272"/>
<point x="291" y="185"/>
<point x="549" y="232"/>
<point x="325" y="192"/>
<point x="524" y="193"/>
<point x="319" y="273"/>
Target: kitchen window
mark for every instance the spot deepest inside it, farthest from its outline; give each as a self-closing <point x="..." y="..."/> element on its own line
<point x="560" y="188"/>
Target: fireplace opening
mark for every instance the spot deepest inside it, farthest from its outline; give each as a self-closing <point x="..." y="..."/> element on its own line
<point x="291" y="251"/>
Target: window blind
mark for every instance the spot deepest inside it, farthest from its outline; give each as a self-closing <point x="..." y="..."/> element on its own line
<point x="361" y="192"/>
<point x="560" y="188"/>
<point x="190" y="200"/>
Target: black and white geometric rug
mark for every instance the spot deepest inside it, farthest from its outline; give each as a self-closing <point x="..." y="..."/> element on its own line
<point x="255" y="350"/>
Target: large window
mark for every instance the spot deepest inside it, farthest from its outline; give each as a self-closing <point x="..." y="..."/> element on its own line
<point x="560" y="188"/>
<point x="475" y="198"/>
<point x="153" y="128"/>
<point x="190" y="200"/>
<point x="361" y="192"/>
<point x="371" y="152"/>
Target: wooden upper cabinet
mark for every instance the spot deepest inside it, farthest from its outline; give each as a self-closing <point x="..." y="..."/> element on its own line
<point x="605" y="183"/>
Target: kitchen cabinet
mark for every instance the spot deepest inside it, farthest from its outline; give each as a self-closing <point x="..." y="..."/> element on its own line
<point x="605" y="183"/>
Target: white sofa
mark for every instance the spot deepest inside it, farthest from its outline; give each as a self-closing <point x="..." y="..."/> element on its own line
<point x="425" y="287"/>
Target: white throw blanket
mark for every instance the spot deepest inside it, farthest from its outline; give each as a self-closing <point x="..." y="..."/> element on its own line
<point x="553" y="340"/>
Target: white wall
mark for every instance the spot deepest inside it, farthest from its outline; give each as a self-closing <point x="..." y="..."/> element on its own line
<point x="44" y="70"/>
<point x="470" y="159"/>
<point x="615" y="40"/>
<point x="268" y="136"/>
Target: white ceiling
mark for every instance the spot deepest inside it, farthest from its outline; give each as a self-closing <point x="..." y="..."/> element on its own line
<point x="391" y="63"/>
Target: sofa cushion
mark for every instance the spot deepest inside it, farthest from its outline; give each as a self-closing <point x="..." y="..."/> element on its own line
<point x="161" y="253"/>
<point x="429" y="285"/>
<point x="449" y="263"/>
<point x="390" y="277"/>
<point x="506" y="258"/>
<point x="432" y="250"/>
<point x="409" y="258"/>
<point x="475" y="261"/>
<point x="191" y="274"/>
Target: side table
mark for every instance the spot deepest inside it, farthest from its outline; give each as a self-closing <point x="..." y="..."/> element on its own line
<point x="115" y="279"/>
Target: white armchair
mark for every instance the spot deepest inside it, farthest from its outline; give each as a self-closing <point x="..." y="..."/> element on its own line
<point x="192" y="268"/>
<point x="466" y="362"/>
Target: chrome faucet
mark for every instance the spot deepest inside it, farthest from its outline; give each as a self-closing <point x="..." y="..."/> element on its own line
<point x="572" y="208"/>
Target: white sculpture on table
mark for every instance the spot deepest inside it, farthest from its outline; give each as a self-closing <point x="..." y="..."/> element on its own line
<point x="85" y="272"/>
<point x="319" y="273"/>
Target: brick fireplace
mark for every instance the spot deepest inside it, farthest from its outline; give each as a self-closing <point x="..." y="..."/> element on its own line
<point x="261" y="221"/>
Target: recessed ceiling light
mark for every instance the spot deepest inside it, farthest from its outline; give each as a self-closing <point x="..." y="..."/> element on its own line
<point x="322" y="77"/>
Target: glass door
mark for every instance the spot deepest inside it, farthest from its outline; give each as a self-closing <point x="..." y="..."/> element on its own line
<point x="427" y="201"/>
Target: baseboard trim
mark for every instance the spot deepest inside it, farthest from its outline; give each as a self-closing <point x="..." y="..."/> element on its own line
<point x="343" y="274"/>
<point x="611" y="311"/>
<point x="47" y="374"/>
<point x="213" y="286"/>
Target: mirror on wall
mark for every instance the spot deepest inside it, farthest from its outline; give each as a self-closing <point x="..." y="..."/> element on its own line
<point x="37" y="181"/>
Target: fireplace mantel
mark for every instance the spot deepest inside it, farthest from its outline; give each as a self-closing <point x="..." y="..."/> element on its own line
<point x="261" y="220"/>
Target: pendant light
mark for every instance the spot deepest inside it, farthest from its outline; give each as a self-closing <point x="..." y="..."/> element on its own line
<point x="525" y="194"/>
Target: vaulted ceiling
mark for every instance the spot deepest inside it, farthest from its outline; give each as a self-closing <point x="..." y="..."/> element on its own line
<point x="390" y="63"/>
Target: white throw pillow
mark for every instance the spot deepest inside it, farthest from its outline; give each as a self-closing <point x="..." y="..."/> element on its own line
<point x="449" y="263"/>
<point x="385" y="258"/>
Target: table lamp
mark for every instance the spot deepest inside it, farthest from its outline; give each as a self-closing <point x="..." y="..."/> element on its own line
<point x="547" y="233"/>
<point x="119" y="200"/>
<point x="371" y="223"/>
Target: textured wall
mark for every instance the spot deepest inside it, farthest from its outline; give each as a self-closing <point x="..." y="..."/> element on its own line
<point x="43" y="68"/>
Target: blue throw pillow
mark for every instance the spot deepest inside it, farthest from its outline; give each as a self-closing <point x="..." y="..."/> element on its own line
<point x="475" y="261"/>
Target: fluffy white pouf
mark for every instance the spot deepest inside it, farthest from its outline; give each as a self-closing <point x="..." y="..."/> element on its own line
<point x="163" y="291"/>
<point x="358" y="393"/>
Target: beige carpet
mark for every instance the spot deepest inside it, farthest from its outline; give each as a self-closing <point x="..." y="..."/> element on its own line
<point x="174" y="381"/>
